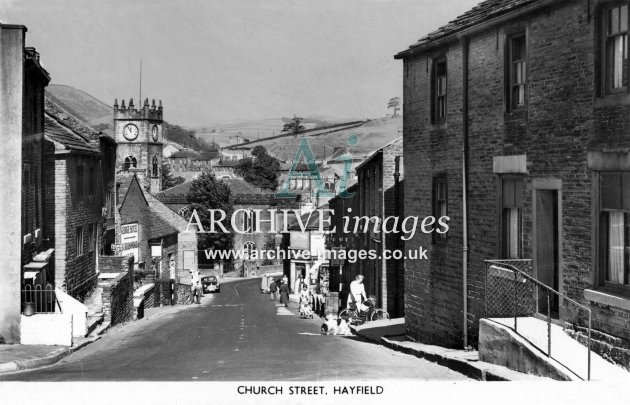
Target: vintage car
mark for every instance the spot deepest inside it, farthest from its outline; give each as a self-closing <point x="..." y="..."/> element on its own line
<point x="210" y="284"/>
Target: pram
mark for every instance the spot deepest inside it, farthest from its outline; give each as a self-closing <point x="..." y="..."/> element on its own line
<point x="305" y="310"/>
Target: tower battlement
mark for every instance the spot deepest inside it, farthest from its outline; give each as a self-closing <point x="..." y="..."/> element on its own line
<point x="129" y="111"/>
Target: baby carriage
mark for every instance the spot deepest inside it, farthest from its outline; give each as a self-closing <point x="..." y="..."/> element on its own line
<point x="305" y="310"/>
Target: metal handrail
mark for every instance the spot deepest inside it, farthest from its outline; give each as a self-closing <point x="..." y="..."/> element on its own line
<point x="517" y="272"/>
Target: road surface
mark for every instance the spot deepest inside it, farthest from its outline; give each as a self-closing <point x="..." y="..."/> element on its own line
<point x="235" y="335"/>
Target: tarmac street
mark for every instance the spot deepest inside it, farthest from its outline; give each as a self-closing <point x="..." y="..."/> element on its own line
<point x="238" y="334"/>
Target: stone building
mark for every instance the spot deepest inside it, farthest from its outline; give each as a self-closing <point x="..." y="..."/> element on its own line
<point x="24" y="246"/>
<point x="380" y="196"/>
<point x="515" y="126"/>
<point x="74" y="204"/>
<point x="187" y="160"/>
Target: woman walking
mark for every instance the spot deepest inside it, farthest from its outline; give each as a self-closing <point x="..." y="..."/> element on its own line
<point x="284" y="294"/>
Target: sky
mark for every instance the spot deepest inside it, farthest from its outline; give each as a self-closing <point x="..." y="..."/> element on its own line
<point x="217" y="61"/>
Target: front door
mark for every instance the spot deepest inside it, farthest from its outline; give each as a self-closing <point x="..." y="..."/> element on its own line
<point x="547" y="252"/>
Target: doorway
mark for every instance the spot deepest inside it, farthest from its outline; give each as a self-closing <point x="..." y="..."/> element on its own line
<point x="547" y="248"/>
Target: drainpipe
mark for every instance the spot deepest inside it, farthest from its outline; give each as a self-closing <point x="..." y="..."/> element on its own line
<point x="396" y="238"/>
<point x="465" y="50"/>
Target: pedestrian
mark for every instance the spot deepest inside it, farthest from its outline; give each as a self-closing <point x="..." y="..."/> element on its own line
<point x="319" y="300"/>
<point x="284" y="294"/>
<point x="198" y="291"/>
<point x="357" y="293"/>
<point x="272" y="289"/>
<point x="194" y="282"/>
<point x="285" y="280"/>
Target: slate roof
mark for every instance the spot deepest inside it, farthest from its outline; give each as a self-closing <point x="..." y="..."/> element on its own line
<point x="378" y="152"/>
<point x="482" y="12"/>
<point x="65" y="138"/>
<point x="228" y="163"/>
<point x="162" y="221"/>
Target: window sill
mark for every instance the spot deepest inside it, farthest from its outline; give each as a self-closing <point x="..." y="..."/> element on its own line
<point x="609" y="296"/>
<point x="612" y="100"/>
<point x="438" y="125"/>
<point x="516" y="114"/>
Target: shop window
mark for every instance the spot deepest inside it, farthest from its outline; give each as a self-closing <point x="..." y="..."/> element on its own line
<point x="440" y="204"/>
<point x="439" y="91"/>
<point x="517" y="71"/>
<point x="614" y="224"/>
<point x="511" y="211"/>
<point x="615" y="52"/>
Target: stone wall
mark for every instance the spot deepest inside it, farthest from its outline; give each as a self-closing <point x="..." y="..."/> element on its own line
<point x="117" y="292"/>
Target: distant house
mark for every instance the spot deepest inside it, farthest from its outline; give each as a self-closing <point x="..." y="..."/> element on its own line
<point x="224" y="168"/>
<point x="187" y="160"/>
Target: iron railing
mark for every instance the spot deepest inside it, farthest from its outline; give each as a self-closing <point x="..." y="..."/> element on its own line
<point x="39" y="299"/>
<point x="512" y="292"/>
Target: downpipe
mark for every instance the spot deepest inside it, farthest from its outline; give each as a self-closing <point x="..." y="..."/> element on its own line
<point x="465" y="50"/>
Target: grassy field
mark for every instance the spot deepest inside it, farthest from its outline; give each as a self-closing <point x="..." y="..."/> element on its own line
<point x="372" y="136"/>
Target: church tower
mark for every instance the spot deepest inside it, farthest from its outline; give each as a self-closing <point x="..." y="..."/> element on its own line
<point x="139" y="138"/>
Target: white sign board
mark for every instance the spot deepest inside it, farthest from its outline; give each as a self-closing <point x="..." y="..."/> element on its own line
<point x="129" y="240"/>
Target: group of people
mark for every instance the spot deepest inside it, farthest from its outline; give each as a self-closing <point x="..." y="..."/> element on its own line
<point x="309" y="299"/>
<point x="282" y="290"/>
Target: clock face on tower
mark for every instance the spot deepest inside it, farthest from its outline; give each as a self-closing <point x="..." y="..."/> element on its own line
<point x="154" y="133"/>
<point x="130" y="132"/>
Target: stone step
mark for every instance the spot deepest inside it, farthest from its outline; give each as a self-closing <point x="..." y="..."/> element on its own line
<point x="93" y="321"/>
<point x="100" y="329"/>
<point x="95" y="301"/>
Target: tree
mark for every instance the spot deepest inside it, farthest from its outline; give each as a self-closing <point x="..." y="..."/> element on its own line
<point x="261" y="169"/>
<point x="394" y="103"/>
<point x="168" y="180"/>
<point x="207" y="192"/>
<point x="294" y="126"/>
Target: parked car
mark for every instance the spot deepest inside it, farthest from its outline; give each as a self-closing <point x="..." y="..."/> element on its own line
<point x="210" y="284"/>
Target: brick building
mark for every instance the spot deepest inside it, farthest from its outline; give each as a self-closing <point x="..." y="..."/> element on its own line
<point x="515" y="126"/>
<point x="24" y="246"/>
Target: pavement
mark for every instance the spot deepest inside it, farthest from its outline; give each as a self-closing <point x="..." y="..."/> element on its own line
<point x="238" y="334"/>
<point x="26" y="357"/>
<point x="392" y="334"/>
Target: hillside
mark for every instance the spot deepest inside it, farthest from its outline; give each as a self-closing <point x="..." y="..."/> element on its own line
<point x="372" y="135"/>
<point x="99" y="115"/>
<point x="81" y="105"/>
<point x="239" y="131"/>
